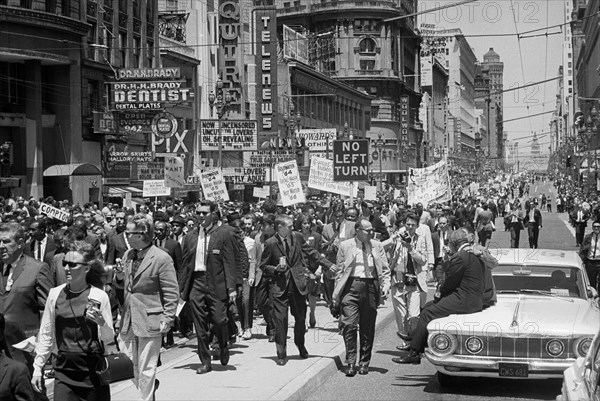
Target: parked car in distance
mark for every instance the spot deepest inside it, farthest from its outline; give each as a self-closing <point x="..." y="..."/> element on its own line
<point x="545" y="318"/>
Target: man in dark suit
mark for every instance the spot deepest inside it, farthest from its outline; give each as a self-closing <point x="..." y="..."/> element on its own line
<point x="84" y="224"/>
<point x="533" y="221"/>
<point x="579" y="219"/>
<point x="120" y="222"/>
<point x="590" y="254"/>
<point x="362" y="282"/>
<point x="151" y="298"/>
<point x="284" y="261"/>
<point x="440" y="238"/>
<point x="262" y="281"/>
<point x="14" y="377"/>
<point x="173" y="248"/>
<point x="24" y="286"/>
<point x="461" y="293"/>
<point x="40" y="245"/>
<point x="381" y="231"/>
<point x="209" y="257"/>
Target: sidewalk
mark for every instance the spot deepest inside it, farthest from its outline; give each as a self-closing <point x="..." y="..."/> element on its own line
<point x="252" y="373"/>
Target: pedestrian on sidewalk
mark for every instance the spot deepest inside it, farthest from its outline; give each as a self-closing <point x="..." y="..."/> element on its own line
<point x="590" y="254"/>
<point x="151" y="298"/>
<point x="284" y="260"/>
<point x="262" y="281"/>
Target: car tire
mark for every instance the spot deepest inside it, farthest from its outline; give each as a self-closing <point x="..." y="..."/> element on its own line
<point x="446" y="380"/>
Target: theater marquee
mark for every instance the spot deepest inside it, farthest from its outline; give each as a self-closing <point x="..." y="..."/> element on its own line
<point x="238" y="135"/>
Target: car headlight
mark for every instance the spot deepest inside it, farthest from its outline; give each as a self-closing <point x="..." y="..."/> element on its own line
<point x="474" y="345"/>
<point x="442" y="344"/>
<point x="555" y="347"/>
<point x="582" y="347"/>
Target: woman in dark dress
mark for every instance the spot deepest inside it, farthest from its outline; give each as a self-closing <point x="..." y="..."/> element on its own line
<point x="76" y="320"/>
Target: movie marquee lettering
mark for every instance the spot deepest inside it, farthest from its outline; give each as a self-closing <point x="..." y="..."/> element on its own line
<point x="266" y="61"/>
<point x="237" y="135"/>
<point x="229" y="52"/>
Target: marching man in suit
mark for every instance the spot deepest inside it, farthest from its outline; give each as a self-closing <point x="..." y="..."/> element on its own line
<point x="283" y="259"/>
<point x="533" y="222"/>
<point x="209" y="257"/>
<point x="41" y="246"/>
<point x="151" y="297"/>
<point x="362" y="282"/>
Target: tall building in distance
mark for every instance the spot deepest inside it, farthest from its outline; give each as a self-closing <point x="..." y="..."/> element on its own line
<point x="493" y="70"/>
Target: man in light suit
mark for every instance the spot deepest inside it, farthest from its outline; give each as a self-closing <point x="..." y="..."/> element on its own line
<point x="151" y="297"/>
<point x="362" y="282"/>
<point x="209" y="257"/>
<point x="409" y="279"/>
<point x="284" y="261"/>
<point x="24" y="286"/>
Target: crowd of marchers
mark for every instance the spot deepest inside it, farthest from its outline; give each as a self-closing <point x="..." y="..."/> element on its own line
<point x="140" y="278"/>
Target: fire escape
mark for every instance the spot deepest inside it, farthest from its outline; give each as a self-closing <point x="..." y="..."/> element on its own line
<point x="171" y="24"/>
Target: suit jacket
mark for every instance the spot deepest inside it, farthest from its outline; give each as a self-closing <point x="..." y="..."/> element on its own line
<point x="298" y="268"/>
<point x="23" y="305"/>
<point x="584" y="251"/>
<point x="537" y="218"/>
<point x="116" y="248"/>
<point x="222" y="274"/>
<point x="345" y="265"/>
<point x="435" y="238"/>
<point x="14" y="380"/>
<point x="173" y="248"/>
<point x="462" y="289"/>
<point x="49" y="251"/>
<point x="259" y="245"/>
<point x="153" y="296"/>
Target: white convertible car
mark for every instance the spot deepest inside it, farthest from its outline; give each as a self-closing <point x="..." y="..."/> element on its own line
<point x="546" y="317"/>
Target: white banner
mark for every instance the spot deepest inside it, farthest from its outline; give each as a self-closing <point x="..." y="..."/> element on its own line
<point x="290" y="186"/>
<point x="213" y="186"/>
<point x="321" y="177"/>
<point x="429" y="184"/>
<point x="153" y="188"/>
<point x="397" y="194"/>
<point x="51" y="211"/>
<point x="260" y="192"/>
<point x="174" y="172"/>
<point x="370" y="192"/>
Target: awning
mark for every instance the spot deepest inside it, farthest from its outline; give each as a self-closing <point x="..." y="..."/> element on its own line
<point x="72" y="169"/>
<point x="121" y="191"/>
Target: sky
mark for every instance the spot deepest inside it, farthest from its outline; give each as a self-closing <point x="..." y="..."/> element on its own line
<point x="536" y="59"/>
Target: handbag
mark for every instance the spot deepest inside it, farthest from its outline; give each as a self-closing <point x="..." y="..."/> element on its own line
<point x="114" y="368"/>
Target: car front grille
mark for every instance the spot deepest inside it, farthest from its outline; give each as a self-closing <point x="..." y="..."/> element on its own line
<point x="524" y="347"/>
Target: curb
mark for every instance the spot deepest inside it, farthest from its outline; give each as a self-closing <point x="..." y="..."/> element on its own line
<point x="312" y="378"/>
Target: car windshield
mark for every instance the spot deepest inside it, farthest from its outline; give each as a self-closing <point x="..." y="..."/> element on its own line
<point x="540" y="280"/>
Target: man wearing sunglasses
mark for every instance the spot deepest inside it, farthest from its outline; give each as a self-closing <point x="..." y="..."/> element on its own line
<point x="590" y="254"/>
<point x="362" y="283"/>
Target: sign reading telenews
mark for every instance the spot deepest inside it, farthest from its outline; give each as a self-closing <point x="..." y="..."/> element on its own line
<point x="351" y="160"/>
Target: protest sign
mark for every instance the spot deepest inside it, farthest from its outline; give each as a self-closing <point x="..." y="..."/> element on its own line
<point x="153" y="188"/>
<point x="213" y="186"/>
<point x="290" y="186"/>
<point x="51" y="211"/>
<point x="429" y="184"/>
<point x="321" y="177"/>
<point x="370" y="192"/>
<point x="260" y="192"/>
<point x="174" y="177"/>
<point x="397" y="193"/>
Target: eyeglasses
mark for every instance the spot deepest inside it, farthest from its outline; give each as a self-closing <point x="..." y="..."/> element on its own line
<point x="410" y="224"/>
<point x="130" y="233"/>
<point x="339" y="215"/>
<point x="73" y="265"/>
<point x="202" y="213"/>
<point x="595" y="226"/>
<point x="369" y="231"/>
<point x="351" y="217"/>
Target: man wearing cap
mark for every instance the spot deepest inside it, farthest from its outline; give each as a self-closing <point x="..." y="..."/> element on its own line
<point x="177" y="226"/>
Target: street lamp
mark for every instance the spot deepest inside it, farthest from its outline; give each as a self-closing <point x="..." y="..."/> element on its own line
<point x="221" y="103"/>
<point x="379" y="145"/>
<point x="292" y="121"/>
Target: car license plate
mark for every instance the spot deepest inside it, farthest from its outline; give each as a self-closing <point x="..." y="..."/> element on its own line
<point x="513" y="370"/>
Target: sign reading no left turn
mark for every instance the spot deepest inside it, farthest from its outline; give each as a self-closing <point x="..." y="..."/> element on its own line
<point x="351" y="160"/>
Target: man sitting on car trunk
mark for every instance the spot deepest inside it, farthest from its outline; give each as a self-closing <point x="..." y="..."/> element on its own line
<point x="461" y="293"/>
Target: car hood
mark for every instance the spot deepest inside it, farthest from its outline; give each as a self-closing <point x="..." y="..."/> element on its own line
<point x="525" y="316"/>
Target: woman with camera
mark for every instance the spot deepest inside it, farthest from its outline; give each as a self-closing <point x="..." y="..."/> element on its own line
<point x="409" y="276"/>
<point x="76" y="320"/>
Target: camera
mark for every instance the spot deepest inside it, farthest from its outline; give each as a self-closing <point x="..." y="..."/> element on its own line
<point x="404" y="236"/>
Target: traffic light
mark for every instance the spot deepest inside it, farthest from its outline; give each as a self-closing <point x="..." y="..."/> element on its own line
<point x="5" y="154"/>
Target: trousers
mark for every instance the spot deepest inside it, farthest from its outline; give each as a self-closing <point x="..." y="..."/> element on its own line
<point x="144" y="353"/>
<point x="282" y="301"/>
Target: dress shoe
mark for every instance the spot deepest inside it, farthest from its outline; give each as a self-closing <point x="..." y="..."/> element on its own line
<point x="281" y="361"/>
<point x="350" y="371"/>
<point x="404" y="336"/>
<point x="363" y="370"/>
<point x="224" y="356"/>
<point x="312" y="321"/>
<point x="247" y="334"/>
<point x="204" y="369"/>
<point x="413" y="357"/>
<point x="303" y="351"/>
<point x="404" y="347"/>
<point x="272" y="338"/>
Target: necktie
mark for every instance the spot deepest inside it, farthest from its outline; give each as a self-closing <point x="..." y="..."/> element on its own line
<point x="39" y="250"/>
<point x="7" y="281"/>
<point x="595" y="247"/>
<point x="365" y="258"/>
<point x="287" y="249"/>
<point x="7" y="270"/>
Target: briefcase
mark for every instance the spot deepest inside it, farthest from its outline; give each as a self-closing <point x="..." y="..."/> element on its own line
<point x="114" y="368"/>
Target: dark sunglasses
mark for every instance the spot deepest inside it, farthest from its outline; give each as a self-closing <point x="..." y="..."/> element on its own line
<point x="73" y="265"/>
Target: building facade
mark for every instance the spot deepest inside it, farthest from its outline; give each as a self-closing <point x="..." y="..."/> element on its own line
<point x="493" y="68"/>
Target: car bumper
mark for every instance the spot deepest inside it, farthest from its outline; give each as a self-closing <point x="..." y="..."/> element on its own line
<point x="473" y="366"/>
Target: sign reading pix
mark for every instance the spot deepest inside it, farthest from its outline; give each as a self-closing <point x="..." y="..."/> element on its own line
<point x="237" y="135"/>
<point x="351" y="160"/>
<point x="213" y="186"/>
<point x="290" y="186"/>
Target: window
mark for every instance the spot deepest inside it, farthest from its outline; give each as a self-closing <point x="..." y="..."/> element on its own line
<point x="123" y="48"/>
<point x="367" y="45"/>
<point x="136" y="52"/>
<point x="65" y="8"/>
<point x="367" y="64"/>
